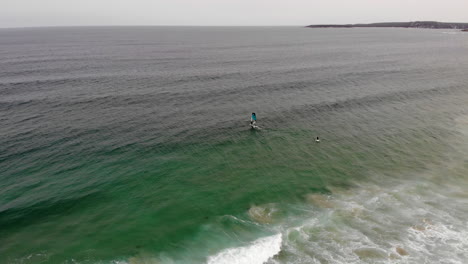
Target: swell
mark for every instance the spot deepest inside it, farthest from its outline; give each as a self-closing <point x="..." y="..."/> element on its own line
<point x="24" y="87"/>
<point x="36" y="210"/>
<point x="341" y="105"/>
<point x="166" y="82"/>
<point x="28" y="60"/>
<point x="171" y="97"/>
<point x="15" y="148"/>
<point x="368" y="101"/>
<point x="189" y="125"/>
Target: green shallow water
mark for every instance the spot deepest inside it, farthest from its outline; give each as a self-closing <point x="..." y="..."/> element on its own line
<point x="94" y="171"/>
<point x="145" y="201"/>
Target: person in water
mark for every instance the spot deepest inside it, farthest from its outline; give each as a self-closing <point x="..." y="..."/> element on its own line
<point x="253" y="119"/>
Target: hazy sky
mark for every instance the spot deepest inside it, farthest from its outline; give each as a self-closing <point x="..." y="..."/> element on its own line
<point x="21" y="13"/>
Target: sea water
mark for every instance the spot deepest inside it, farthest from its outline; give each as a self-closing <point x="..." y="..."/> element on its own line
<point x="132" y="145"/>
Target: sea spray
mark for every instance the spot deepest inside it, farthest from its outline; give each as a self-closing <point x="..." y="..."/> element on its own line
<point x="257" y="252"/>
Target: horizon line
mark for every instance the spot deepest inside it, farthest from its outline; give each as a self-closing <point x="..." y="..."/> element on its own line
<point x="201" y="25"/>
<point x="65" y="26"/>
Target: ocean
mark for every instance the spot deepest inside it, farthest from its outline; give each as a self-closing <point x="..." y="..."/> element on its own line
<point x="132" y="145"/>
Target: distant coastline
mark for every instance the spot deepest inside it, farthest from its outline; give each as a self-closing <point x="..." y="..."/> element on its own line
<point x="415" y="24"/>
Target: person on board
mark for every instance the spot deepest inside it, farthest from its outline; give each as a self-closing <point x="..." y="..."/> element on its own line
<point x="317" y="140"/>
<point x="253" y="119"/>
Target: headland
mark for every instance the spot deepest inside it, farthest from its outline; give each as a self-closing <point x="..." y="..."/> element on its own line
<point x="414" y="24"/>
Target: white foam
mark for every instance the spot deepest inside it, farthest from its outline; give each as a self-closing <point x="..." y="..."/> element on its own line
<point x="440" y="242"/>
<point x="258" y="252"/>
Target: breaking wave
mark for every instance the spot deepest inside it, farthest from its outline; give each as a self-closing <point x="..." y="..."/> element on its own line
<point x="258" y="252"/>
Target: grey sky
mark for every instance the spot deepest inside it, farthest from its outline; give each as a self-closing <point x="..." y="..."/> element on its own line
<point x="23" y="13"/>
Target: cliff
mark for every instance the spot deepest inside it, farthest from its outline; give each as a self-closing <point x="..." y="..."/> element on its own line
<point x="415" y="24"/>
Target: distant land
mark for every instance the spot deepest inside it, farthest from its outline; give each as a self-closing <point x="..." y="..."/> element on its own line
<point x="415" y="24"/>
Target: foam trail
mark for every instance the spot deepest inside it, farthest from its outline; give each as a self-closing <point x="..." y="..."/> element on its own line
<point x="258" y="252"/>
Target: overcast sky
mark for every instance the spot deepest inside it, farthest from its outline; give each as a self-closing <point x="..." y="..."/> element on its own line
<point x="25" y="13"/>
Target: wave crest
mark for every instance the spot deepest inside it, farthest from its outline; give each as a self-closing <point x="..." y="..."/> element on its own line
<point x="258" y="252"/>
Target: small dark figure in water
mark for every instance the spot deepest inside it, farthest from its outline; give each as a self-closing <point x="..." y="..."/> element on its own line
<point x="317" y="140"/>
